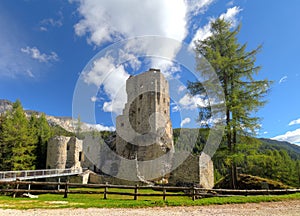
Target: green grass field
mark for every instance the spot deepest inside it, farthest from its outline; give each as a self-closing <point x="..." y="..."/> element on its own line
<point x="121" y="201"/>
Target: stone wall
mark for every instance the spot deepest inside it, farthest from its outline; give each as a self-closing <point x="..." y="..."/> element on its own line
<point x="64" y="152"/>
<point x="194" y="170"/>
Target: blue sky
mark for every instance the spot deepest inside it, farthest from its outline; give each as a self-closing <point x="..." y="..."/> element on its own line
<point x="46" y="45"/>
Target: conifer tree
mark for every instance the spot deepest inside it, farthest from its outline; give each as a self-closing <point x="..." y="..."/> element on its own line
<point x="17" y="143"/>
<point x="42" y="130"/>
<point x="235" y="67"/>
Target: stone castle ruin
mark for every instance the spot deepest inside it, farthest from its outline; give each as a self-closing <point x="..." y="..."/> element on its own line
<point x="144" y="130"/>
<point x="143" y="148"/>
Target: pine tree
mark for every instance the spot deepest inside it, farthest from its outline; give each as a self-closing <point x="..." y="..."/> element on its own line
<point x="18" y="145"/>
<point x="235" y="68"/>
<point x="42" y="131"/>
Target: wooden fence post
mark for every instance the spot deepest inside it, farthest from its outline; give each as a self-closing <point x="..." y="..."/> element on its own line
<point x="135" y="192"/>
<point x="164" y="193"/>
<point x="58" y="186"/>
<point x="66" y="189"/>
<point x="16" y="190"/>
<point x="105" y="190"/>
<point x="194" y="193"/>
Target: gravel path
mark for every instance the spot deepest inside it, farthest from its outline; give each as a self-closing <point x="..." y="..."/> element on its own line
<point x="290" y="208"/>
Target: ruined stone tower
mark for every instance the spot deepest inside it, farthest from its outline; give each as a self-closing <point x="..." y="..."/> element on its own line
<point x="144" y="130"/>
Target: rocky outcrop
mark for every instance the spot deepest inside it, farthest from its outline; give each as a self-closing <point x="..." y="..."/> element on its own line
<point x="5" y="105"/>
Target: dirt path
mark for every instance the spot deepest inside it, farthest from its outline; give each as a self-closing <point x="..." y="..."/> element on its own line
<point x="290" y="208"/>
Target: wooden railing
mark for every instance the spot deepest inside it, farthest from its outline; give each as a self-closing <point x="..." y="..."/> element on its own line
<point x="65" y="188"/>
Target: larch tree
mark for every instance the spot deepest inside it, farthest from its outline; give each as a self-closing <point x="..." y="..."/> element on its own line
<point x="235" y="68"/>
<point x="17" y="141"/>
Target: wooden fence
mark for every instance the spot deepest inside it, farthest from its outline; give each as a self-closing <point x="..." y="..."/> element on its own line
<point x="134" y="191"/>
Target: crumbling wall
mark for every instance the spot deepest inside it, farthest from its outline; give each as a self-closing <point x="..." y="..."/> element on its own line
<point x="64" y="152"/>
<point x="194" y="170"/>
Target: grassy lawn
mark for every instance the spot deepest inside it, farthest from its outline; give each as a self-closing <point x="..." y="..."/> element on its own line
<point x="120" y="201"/>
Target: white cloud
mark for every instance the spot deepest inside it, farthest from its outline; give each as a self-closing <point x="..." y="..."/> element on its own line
<point x="181" y="88"/>
<point x="205" y="31"/>
<point x="290" y="136"/>
<point x="230" y="3"/>
<point x="34" y="53"/>
<point x="175" y="108"/>
<point x="283" y="79"/>
<point x="94" y="98"/>
<point x="103" y="22"/>
<point x="192" y="102"/>
<point x="185" y="121"/>
<point x="100" y="127"/>
<point x="46" y="23"/>
<point x="198" y="6"/>
<point x="104" y="72"/>
<point x="107" y="21"/>
<point x="230" y="15"/>
<point x="202" y="33"/>
<point x="294" y="122"/>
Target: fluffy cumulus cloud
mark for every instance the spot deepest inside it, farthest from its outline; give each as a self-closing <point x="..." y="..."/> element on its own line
<point x="190" y="102"/>
<point x="185" y="121"/>
<point x="294" y="122"/>
<point x="35" y="53"/>
<point x="113" y="79"/>
<point x="204" y="32"/>
<point x="107" y="21"/>
<point x="290" y="136"/>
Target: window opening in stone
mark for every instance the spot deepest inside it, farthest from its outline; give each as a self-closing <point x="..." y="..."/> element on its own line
<point x="122" y="124"/>
<point x="68" y="147"/>
<point x="141" y="97"/>
<point x="164" y="100"/>
<point x="158" y="97"/>
<point x="80" y="156"/>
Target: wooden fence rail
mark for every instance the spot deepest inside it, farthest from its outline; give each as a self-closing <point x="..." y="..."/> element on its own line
<point x="166" y="191"/>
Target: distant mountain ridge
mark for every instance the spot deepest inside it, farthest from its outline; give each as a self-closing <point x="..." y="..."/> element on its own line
<point x="66" y="123"/>
<point x="292" y="149"/>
